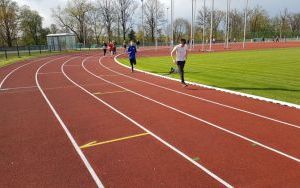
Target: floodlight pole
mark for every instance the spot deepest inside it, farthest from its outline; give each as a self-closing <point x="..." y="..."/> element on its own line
<point x="228" y="23"/>
<point x="245" y="24"/>
<point x="143" y="23"/>
<point x="156" y="24"/>
<point x="211" y="24"/>
<point x="192" y="26"/>
<point x="226" y="44"/>
<point x="203" y="26"/>
<point x="172" y="23"/>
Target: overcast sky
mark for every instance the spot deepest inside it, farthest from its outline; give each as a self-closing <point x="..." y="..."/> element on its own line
<point x="182" y="7"/>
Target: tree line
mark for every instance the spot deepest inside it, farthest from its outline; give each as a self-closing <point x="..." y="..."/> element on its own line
<point x="98" y="20"/>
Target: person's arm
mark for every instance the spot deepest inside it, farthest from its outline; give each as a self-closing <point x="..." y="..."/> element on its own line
<point x="187" y="53"/>
<point x="172" y="54"/>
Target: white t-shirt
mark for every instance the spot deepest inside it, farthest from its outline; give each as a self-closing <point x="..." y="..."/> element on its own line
<point x="180" y="52"/>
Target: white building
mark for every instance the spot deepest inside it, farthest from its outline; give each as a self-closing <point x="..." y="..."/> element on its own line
<point x="61" y="41"/>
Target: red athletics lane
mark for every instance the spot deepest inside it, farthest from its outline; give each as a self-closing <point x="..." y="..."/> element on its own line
<point x="239" y="162"/>
<point x="34" y="150"/>
<point x="138" y="162"/>
<point x="264" y="130"/>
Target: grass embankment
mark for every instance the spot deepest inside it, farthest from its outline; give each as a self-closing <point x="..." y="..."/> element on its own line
<point x="273" y="73"/>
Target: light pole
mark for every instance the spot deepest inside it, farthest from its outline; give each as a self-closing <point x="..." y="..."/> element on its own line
<point x="192" y="26"/>
<point x="156" y="24"/>
<point x="143" y="23"/>
<point x="172" y="23"/>
<point x="203" y="26"/>
<point x="167" y="28"/>
<point x="226" y="44"/>
<point x="211" y="24"/>
<point x="245" y="24"/>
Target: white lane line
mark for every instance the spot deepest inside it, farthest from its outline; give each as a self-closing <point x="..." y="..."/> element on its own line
<point x="63" y="125"/>
<point x="205" y="100"/>
<point x="49" y="73"/>
<point x="16" y="88"/>
<point x="148" y="131"/>
<point x="201" y="120"/>
<point x="264" y="99"/>
<point x="14" y="70"/>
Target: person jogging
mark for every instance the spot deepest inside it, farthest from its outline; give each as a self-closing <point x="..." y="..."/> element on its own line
<point x="132" y="55"/>
<point x="104" y="47"/>
<point x="181" y="56"/>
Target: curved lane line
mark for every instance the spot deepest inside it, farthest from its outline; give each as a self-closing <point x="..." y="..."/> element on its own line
<point x="201" y="120"/>
<point x="148" y="131"/>
<point x="63" y="125"/>
<point x="14" y="70"/>
<point x="201" y="98"/>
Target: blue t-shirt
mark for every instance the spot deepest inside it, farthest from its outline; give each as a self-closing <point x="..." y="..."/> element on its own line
<point x="132" y="52"/>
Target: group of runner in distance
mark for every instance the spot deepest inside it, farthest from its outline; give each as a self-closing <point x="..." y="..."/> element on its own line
<point x="179" y="59"/>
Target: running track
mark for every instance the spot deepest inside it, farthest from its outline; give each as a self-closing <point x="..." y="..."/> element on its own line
<point x="84" y="121"/>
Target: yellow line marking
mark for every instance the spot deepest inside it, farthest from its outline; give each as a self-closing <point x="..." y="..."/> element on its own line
<point x="95" y="143"/>
<point x="110" y="92"/>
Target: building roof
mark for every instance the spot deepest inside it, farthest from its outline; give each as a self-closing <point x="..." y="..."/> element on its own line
<point x="60" y="34"/>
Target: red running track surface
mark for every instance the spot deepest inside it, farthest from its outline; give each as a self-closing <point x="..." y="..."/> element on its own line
<point x="195" y="137"/>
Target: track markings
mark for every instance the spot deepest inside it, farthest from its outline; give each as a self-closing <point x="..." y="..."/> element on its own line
<point x="95" y="143"/>
<point x="219" y="127"/>
<point x="110" y="92"/>
<point x="196" y="97"/>
<point x="185" y="156"/>
<point x="65" y="128"/>
<point x="50" y="73"/>
<point x="196" y="159"/>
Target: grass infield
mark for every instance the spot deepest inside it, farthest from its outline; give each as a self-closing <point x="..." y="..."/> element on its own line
<point x="272" y="73"/>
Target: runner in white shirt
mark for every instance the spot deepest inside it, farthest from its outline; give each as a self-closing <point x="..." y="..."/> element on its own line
<point x="181" y="56"/>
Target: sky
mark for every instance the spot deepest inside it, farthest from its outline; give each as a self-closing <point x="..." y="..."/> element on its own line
<point x="182" y="7"/>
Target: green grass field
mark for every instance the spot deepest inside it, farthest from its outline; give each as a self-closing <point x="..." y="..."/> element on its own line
<point x="273" y="73"/>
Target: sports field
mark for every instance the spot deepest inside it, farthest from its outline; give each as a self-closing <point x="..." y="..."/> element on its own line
<point x="83" y="120"/>
<point x="271" y="73"/>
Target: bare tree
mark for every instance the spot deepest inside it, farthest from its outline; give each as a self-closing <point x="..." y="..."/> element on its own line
<point x="95" y="24"/>
<point x="8" y="21"/>
<point x="181" y="28"/>
<point x="218" y="18"/>
<point x="108" y="15"/>
<point x="150" y="17"/>
<point x="74" y="17"/>
<point x="53" y="29"/>
<point x="125" y="10"/>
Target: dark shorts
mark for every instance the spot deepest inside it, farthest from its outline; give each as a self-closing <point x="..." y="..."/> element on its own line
<point x="181" y="63"/>
<point x="132" y="61"/>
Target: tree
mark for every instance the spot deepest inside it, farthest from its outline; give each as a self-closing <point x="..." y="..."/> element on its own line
<point x="8" y="21"/>
<point x="74" y="17"/>
<point x="53" y="29"/>
<point x="181" y="29"/>
<point x="132" y="35"/>
<point x="108" y="15"/>
<point x="150" y="17"/>
<point x="95" y="23"/>
<point x="31" y="25"/>
<point x="125" y="10"/>
<point x="236" y="24"/>
<point x="218" y="18"/>
<point x="294" y="21"/>
<point x="259" y="22"/>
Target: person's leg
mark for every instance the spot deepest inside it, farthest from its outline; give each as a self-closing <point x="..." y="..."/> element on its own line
<point x="180" y="65"/>
<point x="131" y="63"/>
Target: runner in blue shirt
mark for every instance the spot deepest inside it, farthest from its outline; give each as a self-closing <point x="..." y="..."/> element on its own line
<point x="132" y="54"/>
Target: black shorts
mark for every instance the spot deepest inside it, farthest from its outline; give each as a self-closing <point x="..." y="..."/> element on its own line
<point x="132" y="61"/>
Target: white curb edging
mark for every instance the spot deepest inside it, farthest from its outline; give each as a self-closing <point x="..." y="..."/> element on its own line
<point x="282" y="103"/>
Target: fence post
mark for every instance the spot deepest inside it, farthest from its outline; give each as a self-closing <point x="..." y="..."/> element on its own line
<point x="40" y="49"/>
<point x="5" y="51"/>
<point x="29" y="52"/>
<point x="18" y="51"/>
